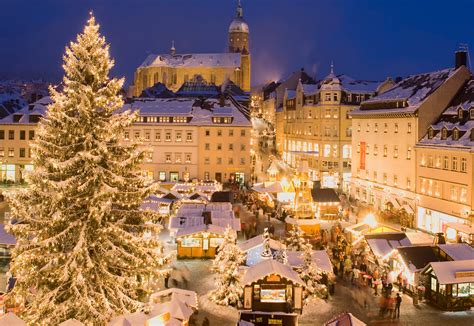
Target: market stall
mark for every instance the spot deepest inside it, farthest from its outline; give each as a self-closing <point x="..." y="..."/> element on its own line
<point x="450" y="284"/>
<point x="272" y="286"/>
<point x="199" y="241"/>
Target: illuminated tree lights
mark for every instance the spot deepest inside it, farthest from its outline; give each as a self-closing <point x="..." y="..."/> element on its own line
<point x="82" y="246"/>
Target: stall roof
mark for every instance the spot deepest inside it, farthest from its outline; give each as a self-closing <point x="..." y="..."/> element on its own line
<point x="201" y="228"/>
<point x="175" y="307"/>
<point x="453" y="272"/>
<point x="258" y="241"/>
<point x="72" y="322"/>
<point x="417" y="257"/>
<point x="270" y="187"/>
<point x="382" y="244"/>
<point x="458" y="251"/>
<point x="186" y="296"/>
<point x="10" y="319"/>
<point x="6" y="238"/>
<point x="270" y="266"/>
<point x="319" y="257"/>
<point x="345" y="319"/>
<point x="222" y="197"/>
<point x="325" y="195"/>
<point x="461" y="227"/>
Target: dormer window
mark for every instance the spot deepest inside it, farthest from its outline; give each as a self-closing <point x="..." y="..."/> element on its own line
<point x="444" y="133"/>
<point x="472" y="134"/>
<point x="455" y="134"/>
<point x="471" y="113"/>
<point x="460" y="113"/>
<point x="430" y="133"/>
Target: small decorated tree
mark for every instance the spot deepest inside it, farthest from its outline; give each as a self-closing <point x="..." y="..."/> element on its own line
<point x="295" y="240"/>
<point x="312" y="276"/>
<point x="226" y="268"/>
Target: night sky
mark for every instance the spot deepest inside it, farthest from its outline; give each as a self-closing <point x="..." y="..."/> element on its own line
<point x="365" y="39"/>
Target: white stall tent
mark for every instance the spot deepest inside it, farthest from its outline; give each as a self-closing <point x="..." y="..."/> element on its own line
<point x="10" y="319"/>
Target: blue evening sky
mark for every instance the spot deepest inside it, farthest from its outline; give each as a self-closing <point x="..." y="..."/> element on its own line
<point x="366" y="39"/>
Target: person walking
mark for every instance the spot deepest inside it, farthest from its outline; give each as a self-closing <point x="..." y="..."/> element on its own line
<point x="398" y="302"/>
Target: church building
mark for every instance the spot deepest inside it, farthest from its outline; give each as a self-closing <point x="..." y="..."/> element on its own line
<point x="174" y="69"/>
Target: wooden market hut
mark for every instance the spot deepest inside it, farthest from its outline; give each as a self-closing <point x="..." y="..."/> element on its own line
<point x="271" y="286"/>
<point x="327" y="204"/>
<point x="199" y="241"/>
<point x="450" y="284"/>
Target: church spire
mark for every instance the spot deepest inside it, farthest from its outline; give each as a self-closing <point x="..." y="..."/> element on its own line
<point x="240" y="13"/>
<point x="173" y="49"/>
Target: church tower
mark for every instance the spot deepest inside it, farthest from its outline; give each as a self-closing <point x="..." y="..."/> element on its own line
<point x="239" y="43"/>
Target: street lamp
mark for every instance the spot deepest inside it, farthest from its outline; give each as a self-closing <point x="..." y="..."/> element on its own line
<point x="370" y="220"/>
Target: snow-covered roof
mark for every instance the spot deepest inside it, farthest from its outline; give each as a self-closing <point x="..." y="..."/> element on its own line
<point x="358" y="86"/>
<point x="319" y="257"/>
<point x="451" y="120"/>
<point x="345" y="319"/>
<point x="71" y="322"/>
<point x="5" y="237"/>
<point x="309" y="89"/>
<point x="268" y="186"/>
<point x="258" y="241"/>
<point x="409" y="93"/>
<point x="190" y="108"/>
<point x="10" y="319"/>
<point x="451" y="272"/>
<point x="201" y="228"/>
<point x="177" y="309"/>
<point x="193" y="60"/>
<point x="22" y="116"/>
<point x="186" y="296"/>
<point x="458" y="251"/>
<point x="382" y="244"/>
<point x="270" y="266"/>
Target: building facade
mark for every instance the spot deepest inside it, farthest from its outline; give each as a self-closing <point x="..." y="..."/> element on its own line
<point x="317" y="126"/>
<point x="386" y="129"/>
<point x="185" y="139"/>
<point x="444" y="163"/>
<point x="174" y="69"/>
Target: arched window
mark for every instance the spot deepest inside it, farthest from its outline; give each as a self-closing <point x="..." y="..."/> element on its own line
<point x="164" y="78"/>
<point x="156" y="78"/>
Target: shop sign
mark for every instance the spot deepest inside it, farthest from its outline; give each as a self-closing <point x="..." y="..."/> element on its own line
<point x="464" y="274"/>
<point x="273" y="278"/>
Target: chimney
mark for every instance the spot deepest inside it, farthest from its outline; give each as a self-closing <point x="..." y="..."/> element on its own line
<point x="221" y="100"/>
<point x="460" y="56"/>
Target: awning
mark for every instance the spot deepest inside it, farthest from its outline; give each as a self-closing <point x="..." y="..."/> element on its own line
<point x="461" y="227"/>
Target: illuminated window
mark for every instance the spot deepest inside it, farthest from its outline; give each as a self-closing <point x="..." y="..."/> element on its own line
<point x="157" y="136"/>
<point x="168" y="157"/>
<point x="168" y="136"/>
<point x="409" y="128"/>
<point x="463" y="164"/>
<point x="454" y="164"/>
<point x="189" y="136"/>
<point x="147" y="135"/>
<point x="187" y="157"/>
<point x="445" y="162"/>
<point x="409" y="153"/>
<point x="11" y="152"/>
<point x="179" y="136"/>
<point x="126" y="135"/>
<point x="376" y="150"/>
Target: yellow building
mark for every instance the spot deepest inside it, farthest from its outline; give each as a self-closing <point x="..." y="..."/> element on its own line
<point x="185" y="138"/>
<point x="174" y="69"/>
<point x="444" y="163"/>
<point x="386" y="129"/>
<point x="317" y="126"/>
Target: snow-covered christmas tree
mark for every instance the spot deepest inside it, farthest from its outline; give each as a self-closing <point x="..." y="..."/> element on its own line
<point x="81" y="251"/>
<point x="295" y="240"/>
<point x="226" y="267"/>
<point x="311" y="275"/>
